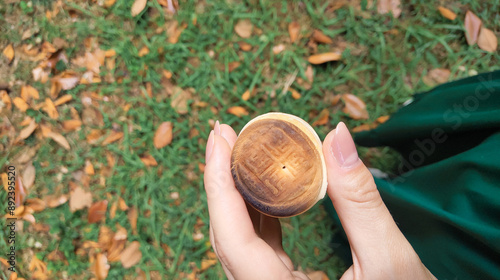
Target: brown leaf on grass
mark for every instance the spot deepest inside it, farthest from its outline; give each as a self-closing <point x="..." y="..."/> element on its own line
<point x="100" y="266"/>
<point x="320" y="37"/>
<point x="112" y="210"/>
<point x="97" y="211"/>
<point x="79" y="199"/>
<point x="91" y="61"/>
<point x="324" y="57"/>
<point x="237" y="111"/>
<point x="64" y="81"/>
<point x="382" y="119"/>
<point x="137" y="7"/>
<point x="20" y="192"/>
<point x="244" y="28"/>
<point x="28" y="92"/>
<point x="63" y="99"/>
<point x="55" y="201"/>
<point x="436" y="76"/>
<point x="122" y="204"/>
<point x="295" y="94"/>
<point x="20" y="104"/>
<point x="293" y="31"/>
<point x="132" y="215"/>
<point x="233" y="65"/>
<point x="180" y="98"/>
<point x="149" y="160"/>
<point x="317" y="275"/>
<point x="386" y="6"/>
<point x="174" y="31"/>
<point x="29" y="175"/>
<point x="117" y="244"/>
<point x="487" y="40"/>
<point x="244" y="46"/>
<point x="8" y="52"/>
<point x="246" y="95"/>
<point x="27" y="131"/>
<point x="131" y="255"/>
<point x="50" y="109"/>
<point x="89" y="168"/>
<point x="472" y="27"/>
<point x="4" y="96"/>
<point x="112" y="137"/>
<point x="354" y="107"/>
<point x="39" y="74"/>
<point x="59" y="139"/>
<point x="206" y="264"/>
<point x="105" y="237"/>
<point x="278" y="48"/>
<point x="324" y="115"/>
<point x="163" y="135"/>
<point x="94" y="135"/>
<point x="143" y="51"/>
<point x="109" y="3"/>
<point x="364" y="127"/>
<point x="447" y="13"/>
<point x="167" y="74"/>
<point x="70" y="125"/>
<point x="36" y="204"/>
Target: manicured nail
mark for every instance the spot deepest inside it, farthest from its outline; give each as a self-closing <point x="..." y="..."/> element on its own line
<point x="210" y="145"/>
<point x="343" y="148"/>
<point x="217" y="128"/>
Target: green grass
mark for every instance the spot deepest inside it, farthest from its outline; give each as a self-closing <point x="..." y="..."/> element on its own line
<point x="383" y="64"/>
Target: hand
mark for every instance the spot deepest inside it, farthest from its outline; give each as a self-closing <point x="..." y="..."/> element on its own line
<point x="248" y="244"/>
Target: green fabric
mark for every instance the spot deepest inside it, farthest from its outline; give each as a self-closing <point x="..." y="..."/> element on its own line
<point x="446" y="199"/>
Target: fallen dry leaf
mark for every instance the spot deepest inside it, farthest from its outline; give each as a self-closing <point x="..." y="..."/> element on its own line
<point x="278" y="48"/>
<point x="382" y="119"/>
<point x="472" y="27"/>
<point x="131" y="255"/>
<point x="97" y="211"/>
<point x="20" y="104"/>
<point x="163" y="135"/>
<point x="117" y="244"/>
<point x="6" y="100"/>
<point x="29" y="175"/>
<point x="89" y="168"/>
<point x="149" y="160"/>
<point x="28" y="92"/>
<point x="64" y="81"/>
<point x="447" y="13"/>
<point x="180" y="98"/>
<point x="206" y="264"/>
<point x="137" y="7"/>
<point x="100" y="266"/>
<point x="36" y="204"/>
<point x="324" y="57"/>
<point x="20" y="192"/>
<point x="9" y="52"/>
<point x="317" y="275"/>
<point x="174" y="31"/>
<point x="363" y="127"/>
<point x="143" y="51"/>
<point x="63" y="99"/>
<point x="167" y="74"/>
<point x="294" y="31"/>
<point x="244" y="46"/>
<point x="295" y="94"/>
<point x="70" y="125"/>
<point x="132" y="215"/>
<point x="55" y="201"/>
<point x="121" y="203"/>
<point x="320" y="37"/>
<point x="386" y="6"/>
<point x="246" y="95"/>
<point x="59" y="139"/>
<point x="244" y="28"/>
<point x="487" y="40"/>
<point x="112" y="137"/>
<point x="237" y="111"/>
<point x="27" y="131"/>
<point x="109" y="3"/>
<point x="323" y="118"/>
<point x="233" y="65"/>
<point x="354" y="107"/>
<point x="79" y="199"/>
<point x="50" y="109"/>
<point x="436" y="76"/>
<point x="112" y="210"/>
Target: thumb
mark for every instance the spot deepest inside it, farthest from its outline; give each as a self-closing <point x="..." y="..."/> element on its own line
<point x="369" y="226"/>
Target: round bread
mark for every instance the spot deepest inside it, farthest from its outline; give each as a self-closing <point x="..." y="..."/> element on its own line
<point x="278" y="166"/>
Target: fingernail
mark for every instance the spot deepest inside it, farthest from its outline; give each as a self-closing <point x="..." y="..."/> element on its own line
<point x="343" y="148"/>
<point x="210" y="145"/>
<point x="217" y="128"/>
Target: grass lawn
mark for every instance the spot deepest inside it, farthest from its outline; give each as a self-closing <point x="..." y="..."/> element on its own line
<point x="384" y="61"/>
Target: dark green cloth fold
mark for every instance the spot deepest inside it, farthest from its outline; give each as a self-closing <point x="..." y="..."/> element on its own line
<point x="446" y="199"/>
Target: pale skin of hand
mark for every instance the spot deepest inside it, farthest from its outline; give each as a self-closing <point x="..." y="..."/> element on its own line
<point x="249" y="244"/>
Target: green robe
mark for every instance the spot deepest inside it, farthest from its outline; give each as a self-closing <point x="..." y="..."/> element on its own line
<point x="446" y="199"/>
